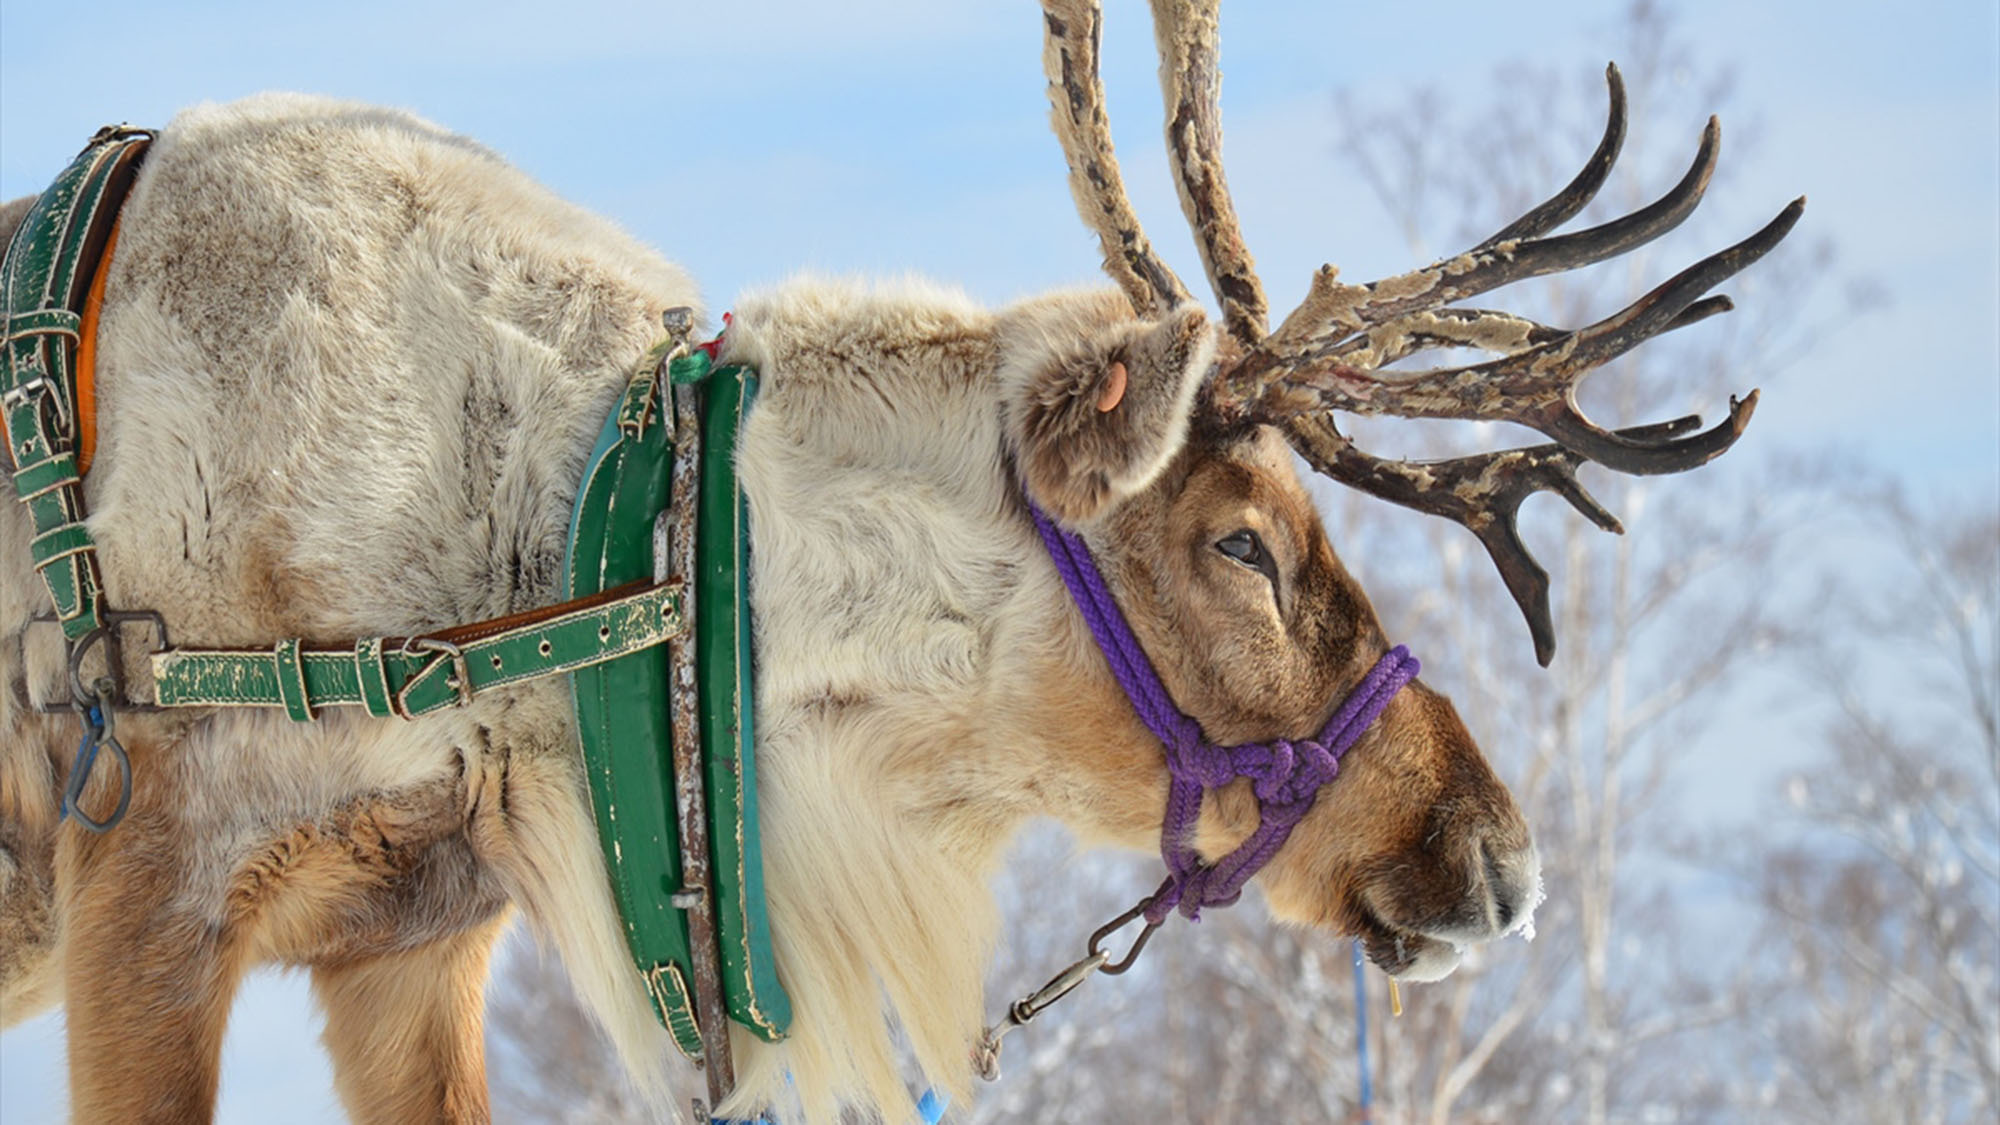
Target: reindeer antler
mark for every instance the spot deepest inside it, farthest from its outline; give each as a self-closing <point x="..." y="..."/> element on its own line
<point x="1328" y="353"/>
<point x="1074" y="32"/>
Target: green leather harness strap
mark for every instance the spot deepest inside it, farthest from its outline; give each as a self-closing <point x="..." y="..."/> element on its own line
<point x="43" y="282"/>
<point x="419" y="675"/>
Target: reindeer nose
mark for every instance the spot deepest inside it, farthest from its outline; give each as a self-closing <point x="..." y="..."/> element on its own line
<point x="1512" y="877"/>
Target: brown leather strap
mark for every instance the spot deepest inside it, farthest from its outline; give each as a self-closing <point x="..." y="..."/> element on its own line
<point x="465" y="634"/>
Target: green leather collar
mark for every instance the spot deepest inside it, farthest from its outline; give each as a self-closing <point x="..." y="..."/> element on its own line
<point x="625" y="725"/>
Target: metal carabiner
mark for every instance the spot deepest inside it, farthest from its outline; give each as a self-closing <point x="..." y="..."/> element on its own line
<point x="97" y="735"/>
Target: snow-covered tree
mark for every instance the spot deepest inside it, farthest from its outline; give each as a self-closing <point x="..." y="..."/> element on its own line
<point x="1881" y="994"/>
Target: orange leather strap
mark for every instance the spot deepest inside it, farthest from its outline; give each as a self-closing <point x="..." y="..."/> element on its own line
<point x="86" y="357"/>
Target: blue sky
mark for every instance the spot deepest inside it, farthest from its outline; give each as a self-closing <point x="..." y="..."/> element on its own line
<point x="755" y="139"/>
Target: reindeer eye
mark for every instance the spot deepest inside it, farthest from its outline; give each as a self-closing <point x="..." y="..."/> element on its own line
<point x="1247" y="549"/>
<point x="1244" y="547"/>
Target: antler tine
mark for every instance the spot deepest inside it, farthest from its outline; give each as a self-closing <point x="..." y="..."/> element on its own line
<point x="1074" y="33"/>
<point x="1342" y="308"/>
<point x="1536" y="386"/>
<point x="1482" y="493"/>
<point x="1564" y="205"/>
<point x="1334" y="310"/>
<point x="1484" y="329"/>
<point x="1191" y="84"/>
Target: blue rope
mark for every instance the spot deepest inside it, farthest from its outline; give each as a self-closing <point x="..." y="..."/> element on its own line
<point x="1367" y="1107"/>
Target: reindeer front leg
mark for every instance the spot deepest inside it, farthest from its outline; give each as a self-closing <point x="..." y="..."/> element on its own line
<point x="406" y="1031"/>
<point x="149" y="981"/>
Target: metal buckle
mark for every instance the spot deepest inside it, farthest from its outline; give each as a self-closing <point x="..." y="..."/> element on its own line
<point x="120" y="132"/>
<point x="17" y="396"/>
<point x="106" y="633"/>
<point x="461" y="671"/>
<point x="43" y="390"/>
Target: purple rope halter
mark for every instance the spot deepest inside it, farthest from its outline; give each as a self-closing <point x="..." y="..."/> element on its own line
<point x="1285" y="775"/>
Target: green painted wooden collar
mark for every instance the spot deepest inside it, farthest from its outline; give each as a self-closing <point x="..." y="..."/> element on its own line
<point x="609" y="638"/>
<point x="624" y="721"/>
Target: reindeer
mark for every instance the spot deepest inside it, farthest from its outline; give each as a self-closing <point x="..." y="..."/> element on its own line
<point x="350" y="366"/>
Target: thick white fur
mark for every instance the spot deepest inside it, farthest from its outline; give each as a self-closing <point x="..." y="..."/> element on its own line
<point x="349" y="369"/>
<point x="904" y="610"/>
<point x="350" y="365"/>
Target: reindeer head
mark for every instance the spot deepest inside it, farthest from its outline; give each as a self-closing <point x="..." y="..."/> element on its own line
<point x="1168" y="443"/>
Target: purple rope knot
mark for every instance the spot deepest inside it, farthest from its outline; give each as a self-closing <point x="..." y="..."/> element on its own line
<point x="1286" y="775"/>
<point x="1286" y="796"/>
<point x="1274" y="780"/>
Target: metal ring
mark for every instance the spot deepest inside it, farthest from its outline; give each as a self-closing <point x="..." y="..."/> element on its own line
<point x="82" y="695"/>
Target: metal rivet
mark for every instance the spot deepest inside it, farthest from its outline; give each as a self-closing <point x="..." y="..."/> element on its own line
<point x="546" y="648"/>
<point x="496" y="662"/>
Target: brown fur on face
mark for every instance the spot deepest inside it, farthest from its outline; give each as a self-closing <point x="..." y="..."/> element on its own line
<point x="1416" y="846"/>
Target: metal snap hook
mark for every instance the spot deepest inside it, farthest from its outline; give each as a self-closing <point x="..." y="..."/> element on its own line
<point x="986" y="1053"/>
<point x="97" y="735"/>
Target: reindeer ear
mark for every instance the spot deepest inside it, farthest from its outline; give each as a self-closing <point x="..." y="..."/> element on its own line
<point x="1097" y="405"/>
